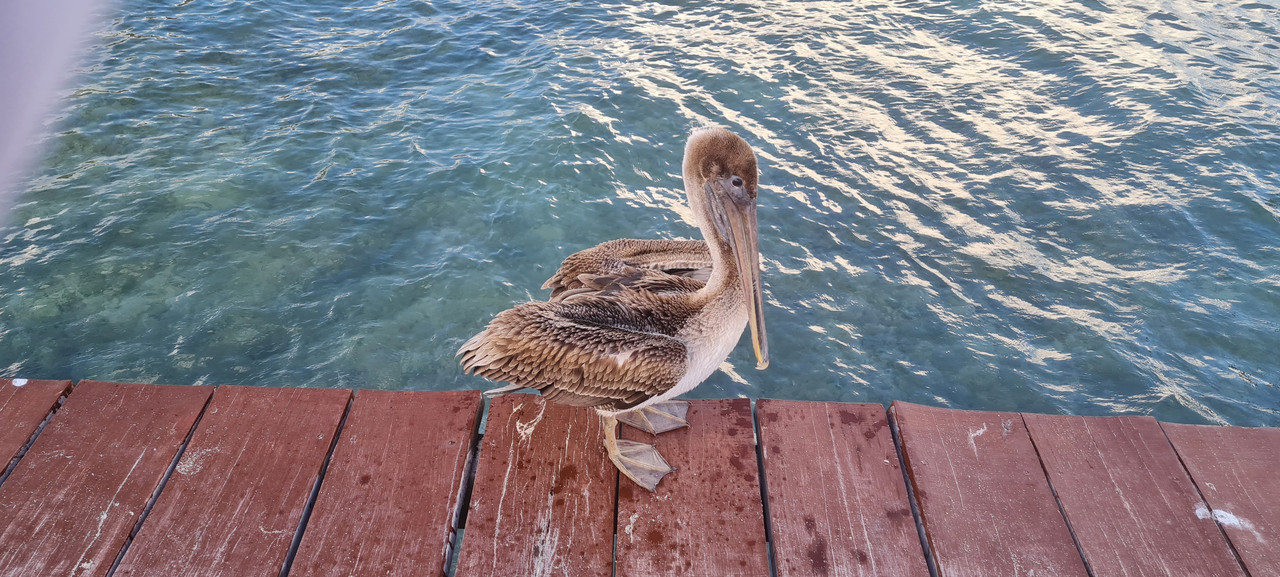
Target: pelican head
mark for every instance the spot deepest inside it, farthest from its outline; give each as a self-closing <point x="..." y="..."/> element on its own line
<point x="720" y="177"/>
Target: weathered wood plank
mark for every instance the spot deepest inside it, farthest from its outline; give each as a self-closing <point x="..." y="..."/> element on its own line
<point x="237" y="496"/>
<point x="1235" y="469"/>
<point x="706" y="518"/>
<point x="986" y="506"/>
<point x="390" y="495"/>
<point x="837" y="498"/>
<point x="24" y="404"/>
<point x="1127" y="499"/>
<point x="543" y="498"/>
<point x="74" y="498"/>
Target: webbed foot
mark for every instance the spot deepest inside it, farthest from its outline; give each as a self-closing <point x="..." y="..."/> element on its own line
<point x="639" y="462"/>
<point x="658" y="417"/>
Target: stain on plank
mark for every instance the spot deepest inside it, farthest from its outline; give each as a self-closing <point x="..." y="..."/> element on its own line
<point x="985" y="503"/>
<point x="390" y="494"/>
<point x="543" y="498"/>
<point x="234" y="503"/>
<point x="74" y="498"/>
<point x="707" y="517"/>
<point x="1234" y="467"/>
<point x="836" y="492"/>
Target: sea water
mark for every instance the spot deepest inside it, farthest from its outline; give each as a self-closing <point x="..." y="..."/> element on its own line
<point x="1058" y="206"/>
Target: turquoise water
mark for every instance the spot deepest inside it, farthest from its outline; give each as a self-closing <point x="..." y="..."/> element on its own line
<point x="1060" y="206"/>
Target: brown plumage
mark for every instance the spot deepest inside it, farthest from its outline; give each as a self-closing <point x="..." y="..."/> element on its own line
<point x="573" y="351"/>
<point x="632" y="323"/>
<point x="620" y="303"/>
<point x="629" y="257"/>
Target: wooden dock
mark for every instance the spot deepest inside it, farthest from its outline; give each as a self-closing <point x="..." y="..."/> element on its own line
<point x="127" y="479"/>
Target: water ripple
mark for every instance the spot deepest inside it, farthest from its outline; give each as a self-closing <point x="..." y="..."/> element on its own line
<point x="1058" y="206"/>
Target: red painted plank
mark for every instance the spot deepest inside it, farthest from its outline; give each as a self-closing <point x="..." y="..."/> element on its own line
<point x="236" y="498"/>
<point x="73" y="499"/>
<point x="706" y="518"/>
<point x="390" y="496"/>
<point x="985" y="503"/>
<point x="543" y="498"/>
<point x="23" y="406"/>
<point x="837" y="498"/>
<point x="1127" y="498"/>
<point x="1235" y="469"/>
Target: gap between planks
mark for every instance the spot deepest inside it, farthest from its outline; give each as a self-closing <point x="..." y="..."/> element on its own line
<point x="1075" y="540"/>
<point x="764" y="491"/>
<point x="164" y="480"/>
<point x="22" y="452"/>
<point x="315" y="487"/>
<point x="462" y="507"/>
<point x="911" y="492"/>
<point x="1230" y="544"/>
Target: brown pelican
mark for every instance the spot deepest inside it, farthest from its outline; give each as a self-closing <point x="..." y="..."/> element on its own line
<point x="632" y="324"/>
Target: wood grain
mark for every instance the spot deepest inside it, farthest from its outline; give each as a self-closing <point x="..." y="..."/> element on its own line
<point x="74" y="498"/>
<point x="236" y="499"/>
<point x="1126" y="497"/>
<point x="24" y="405"/>
<point x="1235" y="469"/>
<point x="391" y="493"/>
<point x="837" y="498"/>
<point x="706" y="518"/>
<point x="543" y="498"/>
<point x="986" y="506"/>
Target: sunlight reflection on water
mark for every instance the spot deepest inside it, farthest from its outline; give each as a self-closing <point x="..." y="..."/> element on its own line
<point x="1055" y="207"/>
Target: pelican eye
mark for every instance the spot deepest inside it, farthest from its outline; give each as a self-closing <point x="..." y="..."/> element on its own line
<point x="737" y="181"/>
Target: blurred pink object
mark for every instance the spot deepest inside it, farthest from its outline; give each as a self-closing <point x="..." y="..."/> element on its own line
<point x="39" y="45"/>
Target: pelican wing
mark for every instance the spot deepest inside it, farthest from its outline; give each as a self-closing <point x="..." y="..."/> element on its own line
<point x="623" y="257"/>
<point x="597" y="351"/>
<point x="626" y="279"/>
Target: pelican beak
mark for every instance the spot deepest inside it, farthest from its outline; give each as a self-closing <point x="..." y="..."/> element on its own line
<point x="740" y="212"/>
